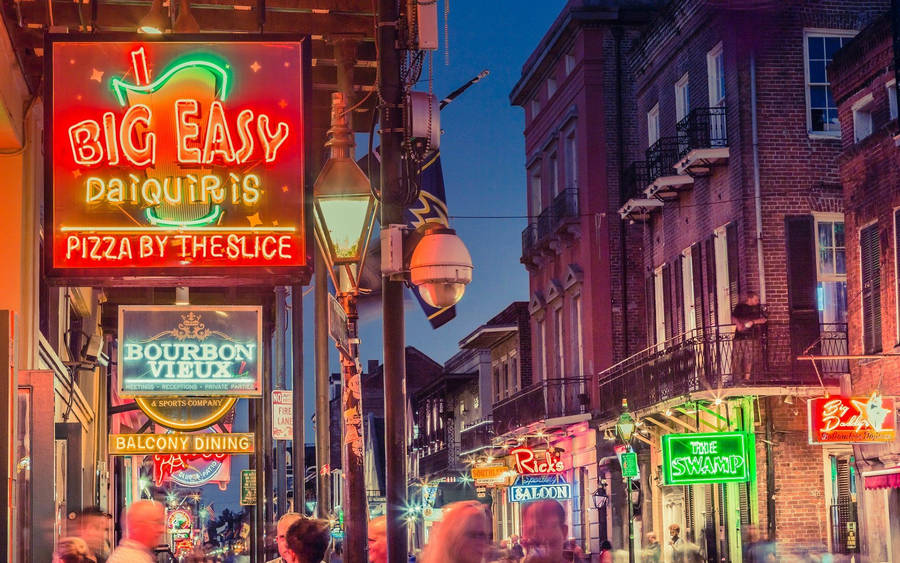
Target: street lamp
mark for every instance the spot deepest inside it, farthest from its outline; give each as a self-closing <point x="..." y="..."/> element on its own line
<point x="625" y="429"/>
<point x="344" y="215"/>
<point x="342" y="196"/>
<point x="156" y="21"/>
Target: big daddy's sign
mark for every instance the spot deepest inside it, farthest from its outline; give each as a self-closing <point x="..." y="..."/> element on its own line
<point x="176" y="157"/>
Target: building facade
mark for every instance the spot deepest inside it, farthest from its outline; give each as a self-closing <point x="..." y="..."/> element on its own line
<point x="865" y="91"/>
<point x="735" y="184"/>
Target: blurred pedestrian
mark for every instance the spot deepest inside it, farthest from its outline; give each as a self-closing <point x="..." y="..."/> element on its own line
<point x="515" y="548"/>
<point x="653" y="551"/>
<point x="543" y="531"/>
<point x="606" y="555"/>
<point x="92" y="525"/>
<point x="676" y="544"/>
<point x="692" y="552"/>
<point x="145" y="523"/>
<point x="307" y="540"/>
<point x="378" y="540"/>
<point x="72" y="550"/>
<point x="336" y="554"/>
<point x="284" y="523"/>
<point x="572" y="551"/>
<point x="462" y="536"/>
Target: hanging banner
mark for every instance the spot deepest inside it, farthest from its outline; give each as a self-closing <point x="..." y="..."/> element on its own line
<point x="839" y="419"/>
<point x="189" y="350"/>
<point x="718" y="457"/>
<point x="175" y="158"/>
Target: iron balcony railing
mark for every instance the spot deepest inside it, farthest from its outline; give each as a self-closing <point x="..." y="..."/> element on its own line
<point x="634" y="181"/>
<point x="662" y="156"/>
<point x="705" y="359"/>
<point x="563" y="208"/>
<point x="439" y="461"/>
<point x="703" y="128"/>
<point x="550" y="398"/>
<point x="477" y="435"/>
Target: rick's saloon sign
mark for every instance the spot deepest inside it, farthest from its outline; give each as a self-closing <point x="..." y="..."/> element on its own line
<point x="189" y="350"/>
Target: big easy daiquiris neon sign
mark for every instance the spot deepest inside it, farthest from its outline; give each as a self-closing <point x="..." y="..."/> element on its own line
<point x="173" y="155"/>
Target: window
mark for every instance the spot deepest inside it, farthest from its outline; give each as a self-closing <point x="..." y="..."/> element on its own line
<point x="682" y="98"/>
<point x="897" y="265"/>
<point x="659" y="306"/>
<point x="542" y="348"/>
<point x="715" y="72"/>
<point x="514" y="375"/>
<point x="560" y="343"/>
<point x="822" y="114"/>
<point x="653" y="125"/>
<point x="723" y="289"/>
<point x="892" y="98"/>
<point x="577" y="340"/>
<point x="870" y="266"/>
<point x="570" y="163"/>
<point x="687" y="287"/>
<point x="498" y="391"/>
<point x="862" y="118"/>
<point x="534" y="186"/>
<point x="551" y="87"/>
<point x="570" y="63"/>
<point x="553" y="173"/>
<point x="831" y="269"/>
<point x="535" y="107"/>
<point x="504" y="378"/>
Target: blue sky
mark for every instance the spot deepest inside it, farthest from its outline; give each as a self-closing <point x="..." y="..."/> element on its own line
<point x="483" y="158"/>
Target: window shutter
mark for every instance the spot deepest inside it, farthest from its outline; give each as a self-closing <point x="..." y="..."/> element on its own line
<point x="870" y="253"/>
<point x="667" y="299"/>
<point x="651" y="311"/>
<point x="709" y="255"/>
<point x="697" y="272"/>
<point x="678" y="296"/>
<point x="802" y="302"/>
<point x="734" y="277"/>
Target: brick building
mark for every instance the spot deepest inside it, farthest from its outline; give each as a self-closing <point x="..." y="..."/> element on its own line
<point x="585" y="297"/>
<point x="733" y="179"/>
<point x="864" y="85"/>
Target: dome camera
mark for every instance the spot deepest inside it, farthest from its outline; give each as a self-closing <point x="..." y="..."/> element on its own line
<point x="440" y="266"/>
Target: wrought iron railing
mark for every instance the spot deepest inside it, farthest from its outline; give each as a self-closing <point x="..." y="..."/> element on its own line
<point x="634" y="181"/>
<point x="563" y="207"/>
<point x="529" y="238"/>
<point x="710" y="358"/>
<point x="552" y="398"/>
<point x="703" y="128"/>
<point x="438" y="461"/>
<point x="662" y="156"/>
<point x="477" y="435"/>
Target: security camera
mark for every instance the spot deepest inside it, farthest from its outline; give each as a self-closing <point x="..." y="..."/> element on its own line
<point x="440" y="266"/>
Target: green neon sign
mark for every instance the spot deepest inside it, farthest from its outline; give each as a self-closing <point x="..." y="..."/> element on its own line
<point x="718" y="457"/>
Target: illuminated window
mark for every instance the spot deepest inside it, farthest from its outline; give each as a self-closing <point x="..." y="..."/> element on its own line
<point x="831" y="268"/>
<point x="715" y="72"/>
<point x="821" y="109"/>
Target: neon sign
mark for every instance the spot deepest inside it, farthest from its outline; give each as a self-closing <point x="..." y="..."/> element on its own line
<point x="721" y="457"/>
<point x="851" y="419"/>
<point x="209" y="443"/>
<point x="189" y="470"/>
<point x="165" y="156"/>
<point x="189" y="350"/>
<point x="531" y="462"/>
<point x="529" y="488"/>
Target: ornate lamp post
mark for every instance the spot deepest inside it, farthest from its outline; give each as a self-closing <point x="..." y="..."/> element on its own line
<point x="625" y="429"/>
<point x="344" y="215"/>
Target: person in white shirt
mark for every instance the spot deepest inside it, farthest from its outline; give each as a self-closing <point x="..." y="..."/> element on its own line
<point x="145" y="524"/>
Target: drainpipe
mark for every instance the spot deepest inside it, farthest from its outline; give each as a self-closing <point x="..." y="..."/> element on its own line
<point x="757" y="198"/>
<point x="620" y="136"/>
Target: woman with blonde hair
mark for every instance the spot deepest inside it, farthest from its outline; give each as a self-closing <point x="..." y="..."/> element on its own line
<point x="72" y="550"/>
<point x="462" y="536"/>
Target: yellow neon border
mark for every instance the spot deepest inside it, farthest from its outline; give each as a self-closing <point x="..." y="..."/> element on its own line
<point x="196" y="425"/>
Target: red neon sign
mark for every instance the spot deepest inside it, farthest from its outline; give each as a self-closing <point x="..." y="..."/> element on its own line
<point x="852" y="419"/>
<point x="530" y="462"/>
<point x="165" y="156"/>
<point x="165" y="465"/>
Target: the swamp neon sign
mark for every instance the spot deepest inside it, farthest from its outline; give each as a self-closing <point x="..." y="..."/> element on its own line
<point x="169" y="156"/>
<point x="189" y="350"/>
<point x="720" y="457"/>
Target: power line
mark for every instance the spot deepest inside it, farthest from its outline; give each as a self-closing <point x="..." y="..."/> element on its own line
<point x="683" y="205"/>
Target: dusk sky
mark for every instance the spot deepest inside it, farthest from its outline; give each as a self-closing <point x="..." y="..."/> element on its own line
<point x="483" y="156"/>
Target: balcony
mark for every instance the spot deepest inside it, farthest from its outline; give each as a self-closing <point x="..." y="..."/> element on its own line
<point x="701" y="360"/>
<point x="544" y="400"/>
<point x="557" y="221"/>
<point x="635" y="203"/>
<point x="439" y="461"/>
<point x="663" y="181"/>
<point x="705" y="134"/>
<point x="476" y="436"/>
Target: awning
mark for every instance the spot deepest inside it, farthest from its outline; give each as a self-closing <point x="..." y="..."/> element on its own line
<point x="888" y="478"/>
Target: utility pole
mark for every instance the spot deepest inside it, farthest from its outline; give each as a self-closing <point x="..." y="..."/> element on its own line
<point x="280" y="383"/>
<point x="393" y="200"/>
<point x="298" y="449"/>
